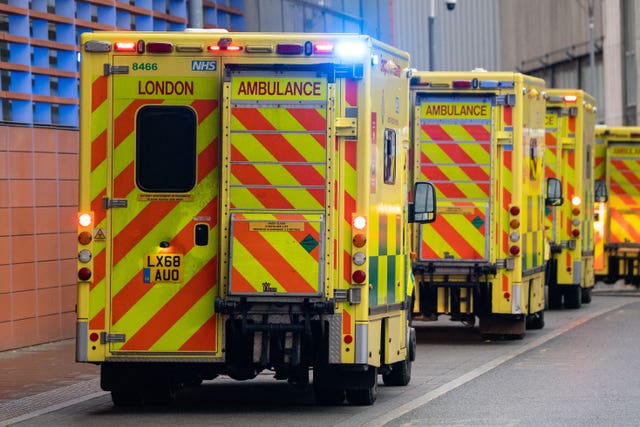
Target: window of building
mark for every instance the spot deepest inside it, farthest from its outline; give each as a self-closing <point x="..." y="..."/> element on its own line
<point x="166" y="149"/>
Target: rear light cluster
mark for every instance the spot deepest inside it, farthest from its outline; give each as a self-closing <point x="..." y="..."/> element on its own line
<point x="576" y="201"/>
<point x="359" y="257"/>
<point x="514" y="234"/>
<point x="342" y="48"/>
<point x="85" y="238"/>
<point x="464" y="84"/>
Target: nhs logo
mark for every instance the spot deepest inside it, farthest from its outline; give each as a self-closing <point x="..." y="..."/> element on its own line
<point x="199" y="65"/>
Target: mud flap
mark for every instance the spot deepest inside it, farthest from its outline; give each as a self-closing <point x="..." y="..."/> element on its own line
<point x="502" y="327"/>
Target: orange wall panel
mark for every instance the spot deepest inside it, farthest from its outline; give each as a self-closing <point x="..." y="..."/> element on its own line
<point x="38" y="208"/>
<point x="23" y="277"/>
<point x="24" y="304"/>
<point x="21" y="193"/>
<point x="22" y="221"/>
<point x="19" y="138"/>
<point x="47" y="193"/>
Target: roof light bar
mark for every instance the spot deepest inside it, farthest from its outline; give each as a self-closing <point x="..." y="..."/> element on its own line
<point x="351" y="49"/>
<point x="125" y="46"/>
<point x="488" y="84"/>
<point x="289" y="49"/>
<point x="461" y="84"/>
<point x="159" y="47"/>
<point x="323" y="48"/>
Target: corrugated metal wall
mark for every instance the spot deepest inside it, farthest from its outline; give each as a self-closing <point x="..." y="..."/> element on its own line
<point x="465" y="38"/>
<point x="322" y="16"/>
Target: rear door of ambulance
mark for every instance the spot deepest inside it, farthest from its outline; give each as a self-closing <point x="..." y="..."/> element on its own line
<point x="623" y="176"/>
<point x="455" y="155"/>
<point x="553" y="158"/>
<point x="162" y="205"/>
<point x="275" y="183"/>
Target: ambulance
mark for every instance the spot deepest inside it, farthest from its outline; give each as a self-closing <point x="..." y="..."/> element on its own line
<point x="617" y="190"/>
<point x="569" y="162"/>
<point x="244" y="206"/>
<point x="479" y="138"/>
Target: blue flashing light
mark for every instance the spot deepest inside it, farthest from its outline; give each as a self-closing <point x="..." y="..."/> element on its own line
<point x="351" y="49"/>
<point x="508" y="85"/>
<point x="488" y="84"/>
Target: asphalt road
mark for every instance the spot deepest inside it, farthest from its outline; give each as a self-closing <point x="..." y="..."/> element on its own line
<point x="581" y="369"/>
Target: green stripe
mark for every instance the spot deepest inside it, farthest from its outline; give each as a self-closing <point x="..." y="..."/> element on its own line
<point x="391" y="279"/>
<point x="373" y="279"/>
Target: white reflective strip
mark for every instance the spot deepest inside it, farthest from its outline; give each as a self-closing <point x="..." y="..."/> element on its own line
<point x="82" y="341"/>
<point x="577" y="272"/>
<point x="516" y="299"/>
<point x="362" y="344"/>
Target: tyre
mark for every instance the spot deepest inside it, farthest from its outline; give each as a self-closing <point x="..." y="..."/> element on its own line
<point x="366" y="391"/>
<point x="535" y="320"/>
<point x="362" y="396"/>
<point x="586" y="295"/>
<point x="573" y="297"/>
<point x="400" y="374"/>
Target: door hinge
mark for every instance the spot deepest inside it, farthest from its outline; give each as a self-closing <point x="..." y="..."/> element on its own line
<point x="508" y="99"/>
<point x="105" y="337"/>
<point x="108" y="203"/>
<point x="346" y="126"/>
<point x="115" y="69"/>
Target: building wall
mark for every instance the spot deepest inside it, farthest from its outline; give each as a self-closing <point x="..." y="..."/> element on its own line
<point x="465" y="38"/>
<point x="38" y="205"/>
<point x="337" y="16"/>
<point x="39" y="148"/>
<point x="550" y="39"/>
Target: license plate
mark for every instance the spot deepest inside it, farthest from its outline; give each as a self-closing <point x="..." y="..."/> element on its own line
<point x="163" y="268"/>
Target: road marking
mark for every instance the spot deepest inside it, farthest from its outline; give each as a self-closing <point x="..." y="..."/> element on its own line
<point x="401" y="410"/>
<point x="91" y="386"/>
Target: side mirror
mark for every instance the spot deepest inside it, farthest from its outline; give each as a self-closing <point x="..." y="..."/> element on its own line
<point x="423" y="209"/>
<point x="600" y="192"/>
<point x="554" y="192"/>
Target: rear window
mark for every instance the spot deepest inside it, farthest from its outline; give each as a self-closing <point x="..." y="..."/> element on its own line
<point x="166" y="149"/>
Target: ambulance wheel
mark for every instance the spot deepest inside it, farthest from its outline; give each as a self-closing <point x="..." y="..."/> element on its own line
<point x="362" y="396"/>
<point x="573" y="297"/>
<point x="367" y="391"/>
<point x="126" y="397"/>
<point x="535" y="320"/>
<point x="400" y="374"/>
<point x="586" y="295"/>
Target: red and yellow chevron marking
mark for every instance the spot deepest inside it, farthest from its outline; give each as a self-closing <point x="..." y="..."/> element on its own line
<point x="275" y="254"/>
<point x="349" y="204"/>
<point x="459" y="233"/>
<point x="459" y="166"/>
<point x="551" y="166"/>
<point x="347" y="153"/>
<point x="505" y="186"/>
<point x="284" y="170"/>
<point x="507" y="117"/>
<point x="551" y="147"/>
<point x="98" y="184"/>
<point x="569" y="178"/>
<point x="154" y="318"/>
<point x="599" y="161"/>
<point x="624" y="200"/>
